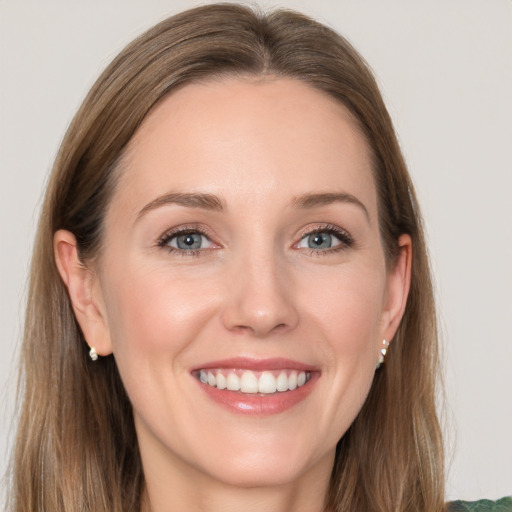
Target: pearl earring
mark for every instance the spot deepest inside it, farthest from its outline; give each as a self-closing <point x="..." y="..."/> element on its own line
<point x="93" y="354"/>
<point x="383" y="351"/>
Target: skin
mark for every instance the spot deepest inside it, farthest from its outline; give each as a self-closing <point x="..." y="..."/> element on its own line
<point x="255" y="289"/>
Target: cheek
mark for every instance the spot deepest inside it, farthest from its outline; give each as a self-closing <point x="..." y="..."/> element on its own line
<point x="154" y="316"/>
<point x="347" y="306"/>
<point x="154" y="319"/>
<point x="348" y="312"/>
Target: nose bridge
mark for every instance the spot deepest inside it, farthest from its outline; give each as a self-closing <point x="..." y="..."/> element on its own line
<point x="260" y="298"/>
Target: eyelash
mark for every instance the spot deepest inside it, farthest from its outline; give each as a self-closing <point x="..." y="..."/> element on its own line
<point x="164" y="240"/>
<point x="346" y="240"/>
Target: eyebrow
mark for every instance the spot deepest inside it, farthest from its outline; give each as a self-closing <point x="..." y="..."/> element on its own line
<point x="190" y="200"/>
<point x="215" y="203"/>
<point x="324" y="199"/>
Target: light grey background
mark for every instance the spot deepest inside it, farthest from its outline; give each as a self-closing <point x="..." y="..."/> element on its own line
<point x="445" y="68"/>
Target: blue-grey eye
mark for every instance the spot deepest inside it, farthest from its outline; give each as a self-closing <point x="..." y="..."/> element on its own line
<point x="319" y="240"/>
<point x="189" y="241"/>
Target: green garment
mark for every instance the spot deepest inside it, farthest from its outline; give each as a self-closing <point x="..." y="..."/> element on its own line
<point x="503" y="505"/>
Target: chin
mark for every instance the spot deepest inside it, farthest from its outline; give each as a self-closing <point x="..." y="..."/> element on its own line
<point x="261" y="472"/>
<point x="272" y="462"/>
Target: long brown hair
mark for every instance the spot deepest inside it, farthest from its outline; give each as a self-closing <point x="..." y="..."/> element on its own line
<point x="76" y="447"/>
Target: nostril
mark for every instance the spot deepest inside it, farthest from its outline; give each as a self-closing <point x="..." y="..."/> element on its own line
<point x="260" y="330"/>
<point x="259" y="308"/>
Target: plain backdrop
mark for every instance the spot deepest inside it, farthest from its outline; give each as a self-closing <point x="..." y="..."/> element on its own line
<point x="445" y="69"/>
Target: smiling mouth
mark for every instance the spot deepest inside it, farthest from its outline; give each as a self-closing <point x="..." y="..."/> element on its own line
<point x="267" y="382"/>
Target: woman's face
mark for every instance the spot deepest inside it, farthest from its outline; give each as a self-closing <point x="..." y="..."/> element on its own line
<point x="242" y="249"/>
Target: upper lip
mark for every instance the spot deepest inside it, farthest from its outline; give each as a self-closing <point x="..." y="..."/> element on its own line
<point x="247" y="363"/>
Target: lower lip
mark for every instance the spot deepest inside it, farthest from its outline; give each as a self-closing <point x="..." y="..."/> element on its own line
<point x="259" y="404"/>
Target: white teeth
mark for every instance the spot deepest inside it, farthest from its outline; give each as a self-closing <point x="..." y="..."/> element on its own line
<point x="221" y="381"/>
<point x="267" y="383"/>
<point x="282" y="382"/>
<point x="248" y="383"/>
<point x="292" y="381"/>
<point x="232" y="382"/>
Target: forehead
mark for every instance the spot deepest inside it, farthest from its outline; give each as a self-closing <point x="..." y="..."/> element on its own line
<point x="253" y="137"/>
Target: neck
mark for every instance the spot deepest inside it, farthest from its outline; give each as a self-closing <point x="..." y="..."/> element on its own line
<point x="227" y="499"/>
<point x="179" y="487"/>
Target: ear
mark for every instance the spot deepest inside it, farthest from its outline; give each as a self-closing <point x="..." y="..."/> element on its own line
<point x="84" y="291"/>
<point x="397" y="289"/>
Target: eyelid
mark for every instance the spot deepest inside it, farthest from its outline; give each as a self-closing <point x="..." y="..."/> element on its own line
<point x="173" y="241"/>
<point x="164" y="238"/>
<point x="345" y="238"/>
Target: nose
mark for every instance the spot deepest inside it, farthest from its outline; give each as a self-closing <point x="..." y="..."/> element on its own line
<point x="260" y="298"/>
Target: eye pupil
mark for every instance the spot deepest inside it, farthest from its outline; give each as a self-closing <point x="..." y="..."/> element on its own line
<point x="189" y="241"/>
<point x="320" y="241"/>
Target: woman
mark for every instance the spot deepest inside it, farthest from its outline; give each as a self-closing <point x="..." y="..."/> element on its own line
<point x="230" y="243"/>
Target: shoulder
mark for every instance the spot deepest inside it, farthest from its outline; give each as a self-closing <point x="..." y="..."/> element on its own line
<point x="503" y="505"/>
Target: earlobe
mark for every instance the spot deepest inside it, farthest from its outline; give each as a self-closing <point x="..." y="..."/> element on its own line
<point x="399" y="281"/>
<point x="84" y="292"/>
